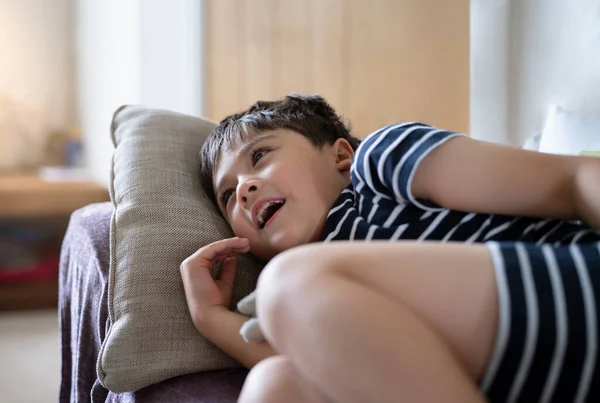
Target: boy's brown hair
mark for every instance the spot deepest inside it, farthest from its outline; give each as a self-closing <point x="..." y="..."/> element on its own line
<point x="309" y="115"/>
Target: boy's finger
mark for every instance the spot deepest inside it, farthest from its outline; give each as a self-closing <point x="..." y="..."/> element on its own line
<point x="225" y="247"/>
<point x="222" y="248"/>
<point x="228" y="271"/>
<point x="223" y="256"/>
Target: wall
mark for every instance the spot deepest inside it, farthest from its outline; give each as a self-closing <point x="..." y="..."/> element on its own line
<point x="490" y="52"/>
<point x="134" y="52"/>
<point x="555" y="58"/>
<point x="108" y="64"/>
<point x="526" y="55"/>
<point x="171" y="55"/>
<point x="36" y="70"/>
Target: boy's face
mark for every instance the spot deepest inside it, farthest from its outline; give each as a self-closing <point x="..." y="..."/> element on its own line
<point x="276" y="188"/>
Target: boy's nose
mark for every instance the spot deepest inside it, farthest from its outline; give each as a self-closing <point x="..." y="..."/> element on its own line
<point x="245" y="192"/>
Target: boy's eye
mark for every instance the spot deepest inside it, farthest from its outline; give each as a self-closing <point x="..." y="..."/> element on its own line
<point x="258" y="154"/>
<point x="225" y="195"/>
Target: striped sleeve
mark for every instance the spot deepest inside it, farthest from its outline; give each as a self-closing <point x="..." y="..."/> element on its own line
<point x="386" y="160"/>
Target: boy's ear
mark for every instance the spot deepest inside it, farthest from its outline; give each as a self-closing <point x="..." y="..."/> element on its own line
<point x="343" y="154"/>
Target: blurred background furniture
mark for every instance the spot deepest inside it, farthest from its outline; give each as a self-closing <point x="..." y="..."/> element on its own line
<point x="33" y="217"/>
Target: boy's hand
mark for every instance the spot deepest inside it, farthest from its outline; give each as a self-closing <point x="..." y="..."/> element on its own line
<point x="203" y="293"/>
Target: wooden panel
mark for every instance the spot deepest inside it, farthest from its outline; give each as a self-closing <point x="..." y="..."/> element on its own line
<point x="224" y="46"/>
<point x="260" y="50"/>
<point x="409" y="60"/>
<point x="329" y="50"/>
<point x="292" y="46"/>
<point x="376" y="62"/>
<point x="363" y="66"/>
<point x="393" y="30"/>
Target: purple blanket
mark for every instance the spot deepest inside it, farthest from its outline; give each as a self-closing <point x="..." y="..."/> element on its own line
<point x="83" y="316"/>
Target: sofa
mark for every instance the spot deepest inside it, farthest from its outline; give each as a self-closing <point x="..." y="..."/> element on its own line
<point x="84" y="321"/>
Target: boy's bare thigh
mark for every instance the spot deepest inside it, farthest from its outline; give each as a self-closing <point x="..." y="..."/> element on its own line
<point x="450" y="286"/>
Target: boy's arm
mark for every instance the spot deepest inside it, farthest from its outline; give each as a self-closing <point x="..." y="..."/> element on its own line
<point x="476" y="176"/>
<point x="222" y="328"/>
<point x="434" y="168"/>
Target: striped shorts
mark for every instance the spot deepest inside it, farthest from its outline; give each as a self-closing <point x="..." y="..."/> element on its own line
<point x="546" y="348"/>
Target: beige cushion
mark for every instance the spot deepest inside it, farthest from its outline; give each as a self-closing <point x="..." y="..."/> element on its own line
<point x="161" y="216"/>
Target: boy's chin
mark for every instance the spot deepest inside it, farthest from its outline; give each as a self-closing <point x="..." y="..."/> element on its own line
<point x="288" y="241"/>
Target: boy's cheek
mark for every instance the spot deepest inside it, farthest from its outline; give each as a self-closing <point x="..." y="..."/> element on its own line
<point x="243" y="230"/>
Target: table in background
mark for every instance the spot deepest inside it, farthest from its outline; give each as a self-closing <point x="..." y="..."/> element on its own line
<point x="27" y="199"/>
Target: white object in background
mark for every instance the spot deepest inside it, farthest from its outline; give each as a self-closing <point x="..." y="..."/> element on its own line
<point x="65" y="174"/>
<point x="533" y="142"/>
<point x="569" y="133"/>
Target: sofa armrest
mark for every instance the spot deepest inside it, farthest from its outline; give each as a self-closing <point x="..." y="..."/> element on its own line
<point x="82" y="300"/>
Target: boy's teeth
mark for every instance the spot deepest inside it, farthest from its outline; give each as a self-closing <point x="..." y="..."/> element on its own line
<point x="261" y="213"/>
<point x="263" y="209"/>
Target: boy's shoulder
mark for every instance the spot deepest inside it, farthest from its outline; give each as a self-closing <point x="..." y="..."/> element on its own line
<point x="390" y="144"/>
<point x="412" y="132"/>
<point x="394" y="131"/>
<point x="381" y="136"/>
<point x="394" y="128"/>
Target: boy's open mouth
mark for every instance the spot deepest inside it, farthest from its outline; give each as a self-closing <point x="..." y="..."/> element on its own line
<point x="267" y="211"/>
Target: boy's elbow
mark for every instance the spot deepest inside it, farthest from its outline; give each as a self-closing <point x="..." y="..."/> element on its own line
<point x="586" y="192"/>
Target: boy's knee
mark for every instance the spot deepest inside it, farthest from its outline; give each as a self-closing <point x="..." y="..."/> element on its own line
<point x="295" y="266"/>
<point x="288" y="274"/>
<point x="285" y="282"/>
<point x="269" y="381"/>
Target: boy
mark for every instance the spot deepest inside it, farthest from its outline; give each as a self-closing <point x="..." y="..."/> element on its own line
<point x="434" y="320"/>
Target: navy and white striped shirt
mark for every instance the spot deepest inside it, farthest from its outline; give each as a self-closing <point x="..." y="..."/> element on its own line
<point x="379" y="204"/>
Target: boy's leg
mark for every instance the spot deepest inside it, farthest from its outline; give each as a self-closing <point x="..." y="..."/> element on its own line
<point x="383" y="321"/>
<point x="276" y="380"/>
